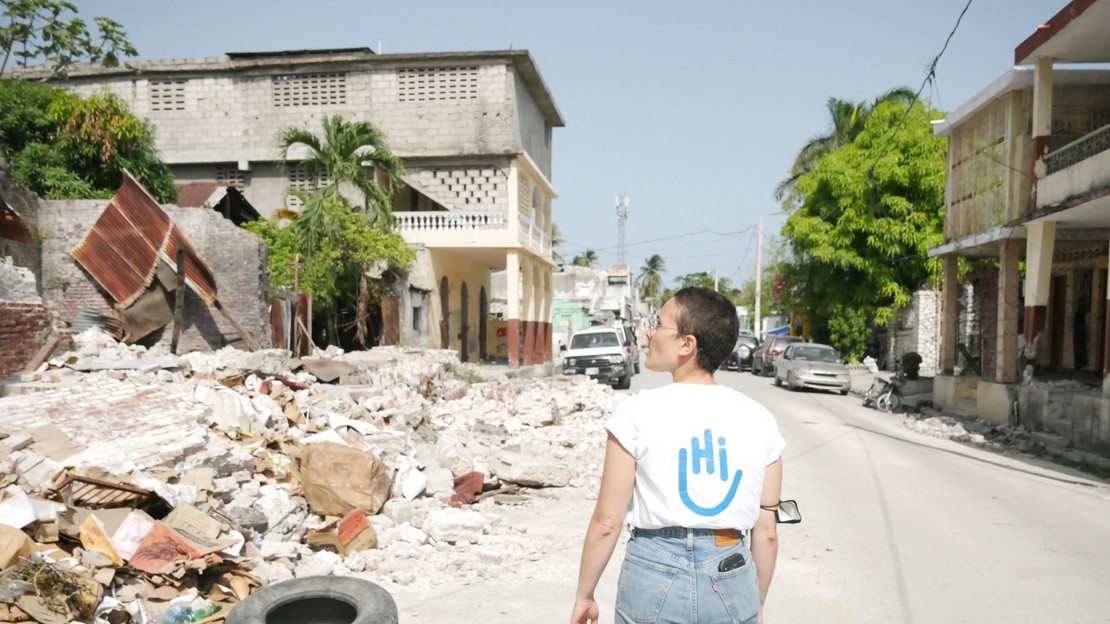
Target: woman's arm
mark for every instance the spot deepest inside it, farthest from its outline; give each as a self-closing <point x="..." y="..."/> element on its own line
<point x="765" y="539"/>
<point x="617" y="481"/>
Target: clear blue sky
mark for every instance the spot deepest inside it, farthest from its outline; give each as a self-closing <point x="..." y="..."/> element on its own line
<point x="695" y="110"/>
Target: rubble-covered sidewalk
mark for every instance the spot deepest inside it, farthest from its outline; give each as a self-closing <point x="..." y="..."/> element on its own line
<point x="143" y="487"/>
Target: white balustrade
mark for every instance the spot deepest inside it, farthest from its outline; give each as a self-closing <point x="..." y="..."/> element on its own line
<point x="448" y="221"/>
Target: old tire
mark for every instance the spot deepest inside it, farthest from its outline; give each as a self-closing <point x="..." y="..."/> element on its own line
<point x="789" y="381"/>
<point x="778" y="382"/>
<point x="317" y="599"/>
<point x="624" y="383"/>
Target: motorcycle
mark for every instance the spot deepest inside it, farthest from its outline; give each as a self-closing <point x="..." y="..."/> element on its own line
<point x="885" y="394"/>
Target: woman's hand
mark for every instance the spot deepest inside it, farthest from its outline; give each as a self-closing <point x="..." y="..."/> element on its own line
<point x="585" y="611"/>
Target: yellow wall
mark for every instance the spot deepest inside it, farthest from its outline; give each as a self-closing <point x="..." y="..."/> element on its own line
<point x="458" y="269"/>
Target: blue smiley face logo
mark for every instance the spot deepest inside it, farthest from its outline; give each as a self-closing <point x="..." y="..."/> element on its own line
<point x="704" y="454"/>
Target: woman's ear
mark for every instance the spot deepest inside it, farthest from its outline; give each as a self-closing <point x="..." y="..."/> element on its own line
<point x="689" y="345"/>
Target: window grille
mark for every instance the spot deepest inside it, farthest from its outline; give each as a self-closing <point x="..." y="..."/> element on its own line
<point x="427" y="84"/>
<point x="230" y="174"/>
<point x="309" y="89"/>
<point x="298" y="179"/>
<point x="167" y="95"/>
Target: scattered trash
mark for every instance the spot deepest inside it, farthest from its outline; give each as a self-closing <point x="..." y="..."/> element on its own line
<point x="175" y="487"/>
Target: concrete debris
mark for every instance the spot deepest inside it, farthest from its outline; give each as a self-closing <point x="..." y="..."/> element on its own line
<point x="997" y="437"/>
<point x="397" y="471"/>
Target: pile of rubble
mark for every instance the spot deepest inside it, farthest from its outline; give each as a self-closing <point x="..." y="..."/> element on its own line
<point x="989" y="435"/>
<point x="143" y="487"/>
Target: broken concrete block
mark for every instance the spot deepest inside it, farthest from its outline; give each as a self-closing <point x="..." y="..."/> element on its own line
<point x="531" y="471"/>
<point x="398" y="510"/>
<point x="249" y="518"/>
<point x="454" y="525"/>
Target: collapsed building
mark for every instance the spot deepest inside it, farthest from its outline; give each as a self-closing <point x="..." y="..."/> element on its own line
<point x="258" y="471"/>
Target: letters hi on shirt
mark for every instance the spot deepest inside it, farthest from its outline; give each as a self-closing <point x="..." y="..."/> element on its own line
<point x="701" y="456"/>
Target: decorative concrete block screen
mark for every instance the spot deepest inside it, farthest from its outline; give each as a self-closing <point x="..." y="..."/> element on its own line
<point x="167" y="95"/>
<point x="298" y="179"/>
<point x="425" y="84"/>
<point x="230" y="174"/>
<point x="463" y="189"/>
<point x="524" y="195"/>
<point x="309" y="89"/>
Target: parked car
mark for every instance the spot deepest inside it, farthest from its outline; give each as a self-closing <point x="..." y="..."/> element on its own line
<point x="741" y="356"/>
<point x="763" y="360"/>
<point x="633" y="347"/>
<point x="809" y="365"/>
<point x="602" y="354"/>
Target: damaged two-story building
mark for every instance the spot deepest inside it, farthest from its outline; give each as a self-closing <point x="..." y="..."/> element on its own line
<point x="1028" y="206"/>
<point x="474" y="130"/>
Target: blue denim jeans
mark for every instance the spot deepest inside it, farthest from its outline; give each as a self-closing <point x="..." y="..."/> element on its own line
<point x="671" y="575"/>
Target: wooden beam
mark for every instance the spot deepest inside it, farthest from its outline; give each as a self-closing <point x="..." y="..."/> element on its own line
<point x="178" y="300"/>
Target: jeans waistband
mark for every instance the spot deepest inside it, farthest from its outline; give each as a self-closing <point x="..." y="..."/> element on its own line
<point x="684" y="532"/>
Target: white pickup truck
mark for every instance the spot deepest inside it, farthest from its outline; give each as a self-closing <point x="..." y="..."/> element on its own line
<point x="601" y="353"/>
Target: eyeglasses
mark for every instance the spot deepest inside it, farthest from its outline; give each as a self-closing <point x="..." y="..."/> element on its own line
<point x="654" y="326"/>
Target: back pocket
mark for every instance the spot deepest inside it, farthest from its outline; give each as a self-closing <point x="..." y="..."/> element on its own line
<point x="642" y="588"/>
<point x="739" y="590"/>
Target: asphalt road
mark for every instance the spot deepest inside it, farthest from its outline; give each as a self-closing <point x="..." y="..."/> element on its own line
<point x="898" y="527"/>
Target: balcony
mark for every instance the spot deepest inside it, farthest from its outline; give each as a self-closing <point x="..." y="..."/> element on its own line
<point x="1080" y="168"/>
<point x="472" y="229"/>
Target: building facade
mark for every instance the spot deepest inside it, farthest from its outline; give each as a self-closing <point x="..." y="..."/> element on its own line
<point x="474" y="130"/>
<point x="1029" y="181"/>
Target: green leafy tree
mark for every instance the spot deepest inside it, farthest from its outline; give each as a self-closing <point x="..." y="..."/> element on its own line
<point x="354" y="159"/>
<point x="847" y="120"/>
<point x="870" y="212"/>
<point x="587" y="259"/>
<point x="651" y="278"/>
<point x="63" y="146"/>
<point x="350" y="155"/>
<point x="328" y="258"/>
<point x="706" y="280"/>
<point x="49" y="31"/>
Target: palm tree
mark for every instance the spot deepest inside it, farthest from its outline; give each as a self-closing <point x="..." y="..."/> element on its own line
<point x="651" y="278"/>
<point x="351" y="154"/>
<point x="585" y="259"/>
<point x="557" y="240"/>
<point x="847" y="122"/>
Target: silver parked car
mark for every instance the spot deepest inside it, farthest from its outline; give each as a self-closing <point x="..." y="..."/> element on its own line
<point x="808" y="365"/>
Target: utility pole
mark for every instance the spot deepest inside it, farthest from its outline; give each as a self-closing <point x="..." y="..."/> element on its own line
<point x="758" y="277"/>
<point x="716" y="281"/>
<point x="622" y="216"/>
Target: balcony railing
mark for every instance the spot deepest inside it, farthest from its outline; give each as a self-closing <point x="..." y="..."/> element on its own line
<point x="437" y="228"/>
<point x="447" y="221"/>
<point x="1078" y="151"/>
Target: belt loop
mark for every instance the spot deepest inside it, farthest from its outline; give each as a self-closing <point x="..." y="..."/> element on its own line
<point x="689" y="539"/>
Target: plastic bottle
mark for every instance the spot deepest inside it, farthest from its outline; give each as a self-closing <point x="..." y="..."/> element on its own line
<point x="173" y="615"/>
<point x="202" y="613"/>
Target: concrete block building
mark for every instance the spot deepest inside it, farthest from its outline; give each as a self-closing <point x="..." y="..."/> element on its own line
<point x="1029" y="180"/>
<point x="474" y="130"/>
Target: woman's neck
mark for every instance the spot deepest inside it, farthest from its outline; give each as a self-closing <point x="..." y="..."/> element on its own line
<point x="690" y="373"/>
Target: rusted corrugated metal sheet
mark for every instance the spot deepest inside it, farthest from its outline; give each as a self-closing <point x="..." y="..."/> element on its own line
<point x="124" y="246"/>
<point x="197" y="194"/>
<point x="197" y="274"/>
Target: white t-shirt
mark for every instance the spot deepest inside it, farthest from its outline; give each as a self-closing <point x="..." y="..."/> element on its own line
<point x="701" y="452"/>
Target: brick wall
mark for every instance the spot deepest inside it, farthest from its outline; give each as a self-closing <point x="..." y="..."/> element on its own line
<point x="23" y="329"/>
<point x="237" y="259"/>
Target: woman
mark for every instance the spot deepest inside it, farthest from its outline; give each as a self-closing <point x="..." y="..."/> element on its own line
<point x="690" y="466"/>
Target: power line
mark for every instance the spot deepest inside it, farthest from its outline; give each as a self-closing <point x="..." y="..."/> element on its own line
<point x="666" y="238"/>
<point x="929" y="76"/>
